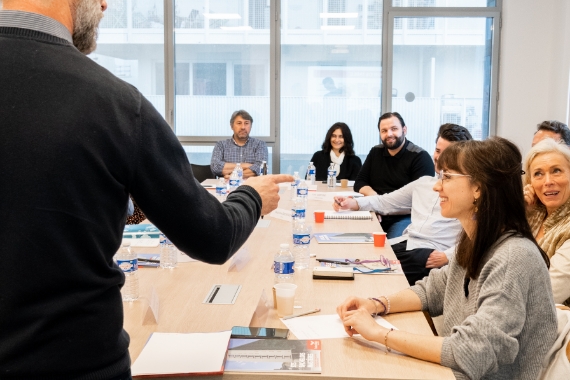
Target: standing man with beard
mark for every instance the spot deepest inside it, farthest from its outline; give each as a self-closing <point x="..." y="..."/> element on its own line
<point x="76" y="142"/>
<point x="392" y="165"/>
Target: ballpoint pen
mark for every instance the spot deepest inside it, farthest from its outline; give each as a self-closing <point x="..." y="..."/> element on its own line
<point x="149" y="260"/>
<point x="301" y="314"/>
<point x="332" y="261"/>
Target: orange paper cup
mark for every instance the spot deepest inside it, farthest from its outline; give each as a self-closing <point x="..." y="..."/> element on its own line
<point x="379" y="239"/>
<point x="319" y="216"/>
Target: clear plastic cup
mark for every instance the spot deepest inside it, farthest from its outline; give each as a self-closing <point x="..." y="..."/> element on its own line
<point x="285" y="296"/>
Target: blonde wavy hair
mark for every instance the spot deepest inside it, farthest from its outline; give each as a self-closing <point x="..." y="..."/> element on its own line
<point x="543" y="147"/>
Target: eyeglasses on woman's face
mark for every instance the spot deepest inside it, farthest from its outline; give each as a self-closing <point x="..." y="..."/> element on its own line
<point x="446" y="176"/>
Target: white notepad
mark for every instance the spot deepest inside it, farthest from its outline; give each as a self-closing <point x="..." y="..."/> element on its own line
<point x="174" y="354"/>
<point x="354" y="215"/>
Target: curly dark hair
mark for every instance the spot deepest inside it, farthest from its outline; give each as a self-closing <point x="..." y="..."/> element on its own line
<point x="348" y="147"/>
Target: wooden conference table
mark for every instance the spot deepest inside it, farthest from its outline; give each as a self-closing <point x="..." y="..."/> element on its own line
<point x="182" y="290"/>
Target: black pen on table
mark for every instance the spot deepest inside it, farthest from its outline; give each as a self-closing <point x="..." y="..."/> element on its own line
<point x="332" y="261"/>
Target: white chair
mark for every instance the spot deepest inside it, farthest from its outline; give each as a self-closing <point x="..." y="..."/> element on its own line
<point x="557" y="361"/>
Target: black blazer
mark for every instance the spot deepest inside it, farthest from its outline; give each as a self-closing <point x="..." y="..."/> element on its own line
<point x="348" y="169"/>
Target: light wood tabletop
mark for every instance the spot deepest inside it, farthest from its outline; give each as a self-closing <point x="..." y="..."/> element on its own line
<point x="181" y="292"/>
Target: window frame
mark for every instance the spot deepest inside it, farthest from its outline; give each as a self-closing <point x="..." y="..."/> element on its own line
<point x="389" y="13"/>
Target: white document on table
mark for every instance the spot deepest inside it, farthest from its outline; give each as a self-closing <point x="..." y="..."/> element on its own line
<point x="328" y="327"/>
<point x="281" y="213"/>
<point x="323" y="326"/>
<point x="328" y="196"/>
<point x="171" y="353"/>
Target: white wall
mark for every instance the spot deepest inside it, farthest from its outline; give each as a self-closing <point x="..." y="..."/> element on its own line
<point x="534" y="67"/>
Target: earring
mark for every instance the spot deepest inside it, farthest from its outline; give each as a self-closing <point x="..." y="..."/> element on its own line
<point x="474" y="216"/>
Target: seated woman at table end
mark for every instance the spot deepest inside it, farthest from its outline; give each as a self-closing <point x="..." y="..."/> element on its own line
<point x="547" y="193"/>
<point x="498" y="320"/>
<point x="338" y="148"/>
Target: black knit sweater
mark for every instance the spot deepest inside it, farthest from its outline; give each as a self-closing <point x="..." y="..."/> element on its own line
<point x="386" y="173"/>
<point x="75" y="142"/>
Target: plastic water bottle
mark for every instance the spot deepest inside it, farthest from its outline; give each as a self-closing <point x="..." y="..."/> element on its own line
<point x="234" y="181"/>
<point x="283" y="263"/>
<point x="221" y="189"/>
<point x="168" y="254"/>
<point x="311" y="170"/>
<point x="303" y="191"/>
<point x="263" y="168"/>
<point x="294" y="184"/>
<point x="331" y="176"/>
<point x="299" y="208"/>
<point x="239" y="171"/>
<point x="301" y="243"/>
<point x="127" y="261"/>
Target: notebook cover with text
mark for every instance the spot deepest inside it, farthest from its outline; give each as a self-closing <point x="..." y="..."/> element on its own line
<point x="344" y="237"/>
<point x="274" y="355"/>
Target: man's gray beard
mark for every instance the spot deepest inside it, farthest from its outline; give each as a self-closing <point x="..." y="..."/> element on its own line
<point x="86" y="18"/>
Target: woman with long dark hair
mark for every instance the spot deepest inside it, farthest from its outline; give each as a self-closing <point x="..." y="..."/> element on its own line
<point x="498" y="311"/>
<point x="338" y="149"/>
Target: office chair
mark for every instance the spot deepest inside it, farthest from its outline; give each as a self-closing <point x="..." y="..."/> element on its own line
<point x="202" y="172"/>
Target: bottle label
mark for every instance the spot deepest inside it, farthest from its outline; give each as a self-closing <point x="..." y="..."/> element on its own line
<point x="128" y="266"/>
<point x="234" y="182"/>
<point x="301" y="239"/>
<point x="332" y="173"/>
<point x="220" y="190"/>
<point x="298" y="213"/>
<point x="283" y="267"/>
<point x="302" y="192"/>
<point x="311" y="171"/>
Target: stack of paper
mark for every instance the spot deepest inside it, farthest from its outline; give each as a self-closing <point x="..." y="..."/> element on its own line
<point x="183" y="354"/>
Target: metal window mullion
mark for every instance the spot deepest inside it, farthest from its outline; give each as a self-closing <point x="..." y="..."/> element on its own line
<point x="495" y="63"/>
<point x="275" y="83"/>
<point x="169" y="62"/>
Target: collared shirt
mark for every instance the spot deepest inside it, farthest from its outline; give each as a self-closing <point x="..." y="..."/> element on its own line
<point x="34" y="21"/>
<point x="428" y="228"/>
<point x="227" y="151"/>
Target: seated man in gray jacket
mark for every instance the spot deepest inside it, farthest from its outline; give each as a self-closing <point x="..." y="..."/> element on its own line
<point x="429" y="241"/>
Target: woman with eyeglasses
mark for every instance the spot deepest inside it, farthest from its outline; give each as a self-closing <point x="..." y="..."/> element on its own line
<point x="547" y="193"/>
<point x="498" y="312"/>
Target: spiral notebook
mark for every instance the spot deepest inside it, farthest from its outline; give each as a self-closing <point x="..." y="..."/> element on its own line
<point x="353" y="215"/>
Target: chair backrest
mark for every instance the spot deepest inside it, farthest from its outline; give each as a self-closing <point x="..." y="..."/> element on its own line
<point x="202" y="172"/>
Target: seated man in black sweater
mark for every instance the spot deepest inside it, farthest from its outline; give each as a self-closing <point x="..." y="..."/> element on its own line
<point x="392" y="165"/>
<point x="76" y="142"/>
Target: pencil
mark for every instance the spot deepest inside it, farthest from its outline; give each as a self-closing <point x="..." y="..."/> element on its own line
<point x="301" y="314"/>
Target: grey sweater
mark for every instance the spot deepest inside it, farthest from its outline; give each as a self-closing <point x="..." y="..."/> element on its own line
<point x="506" y="324"/>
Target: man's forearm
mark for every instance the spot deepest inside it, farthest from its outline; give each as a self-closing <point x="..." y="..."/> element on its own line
<point x="367" y="190"/>
<point x="248" y="173"/>
<point x="228" y="169"/>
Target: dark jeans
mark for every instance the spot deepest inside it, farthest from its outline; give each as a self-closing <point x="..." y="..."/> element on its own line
<point x="413" y="261"/>
<point x="394" y="225"/>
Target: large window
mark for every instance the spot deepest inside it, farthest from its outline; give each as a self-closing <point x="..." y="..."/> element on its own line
<point x="225" y="46"/>
<point x="331" y="62"/>
<point x="298" y="66"/>
<point x="441" y="75"/>
<point x="131" y="45"/>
